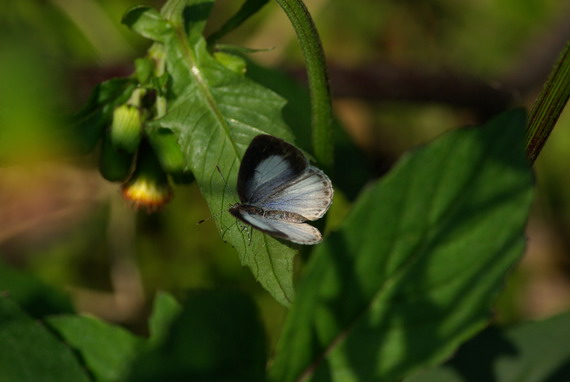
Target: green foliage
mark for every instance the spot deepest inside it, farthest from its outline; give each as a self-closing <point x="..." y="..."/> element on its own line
<point x="535" y="351"/>
<point x="214" y="337"/>
<point x="409" y="275"/>
<point x="30" y="353"/>
<point x="106" y="349"/>
<point x="413" y="270"/>
<point x="214" y="113"/>
<point x="35" y="297"/>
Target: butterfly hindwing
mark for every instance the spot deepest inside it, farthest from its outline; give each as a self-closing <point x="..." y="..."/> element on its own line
<point x="309" y="195"/>
<point x="300" y="233"/>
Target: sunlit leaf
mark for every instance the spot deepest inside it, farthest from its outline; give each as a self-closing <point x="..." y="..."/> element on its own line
<point x="413" y="271"/>
<point x="215" y="113"/>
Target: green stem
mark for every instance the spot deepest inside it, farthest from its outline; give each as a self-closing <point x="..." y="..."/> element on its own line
<point x="318" y="81"/>
<point x="549" y="105"/>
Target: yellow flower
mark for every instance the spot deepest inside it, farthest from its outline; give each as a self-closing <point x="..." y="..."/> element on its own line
<point x="148" y="188"/>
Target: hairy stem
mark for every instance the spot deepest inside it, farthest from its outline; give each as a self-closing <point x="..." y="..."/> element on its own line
<point x="549" y="105"/>
<point x="318" y="80"/>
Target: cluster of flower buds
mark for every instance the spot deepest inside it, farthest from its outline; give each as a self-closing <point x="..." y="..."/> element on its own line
<point x="141" y="157"/>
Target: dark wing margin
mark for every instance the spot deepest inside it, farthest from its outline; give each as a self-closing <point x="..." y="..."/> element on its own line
<point x="262" y="147"/>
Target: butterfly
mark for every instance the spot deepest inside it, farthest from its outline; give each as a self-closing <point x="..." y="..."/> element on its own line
<point x="279" y="191"/>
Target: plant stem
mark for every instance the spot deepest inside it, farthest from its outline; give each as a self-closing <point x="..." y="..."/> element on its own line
<point x="549" y="105"/>
<point x="318" y="80"/>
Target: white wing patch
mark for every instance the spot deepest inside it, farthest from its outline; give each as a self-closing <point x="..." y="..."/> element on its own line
<point x="300" y="233"/>
<point x="270" y="173"/>
<point x="309" y="195"/>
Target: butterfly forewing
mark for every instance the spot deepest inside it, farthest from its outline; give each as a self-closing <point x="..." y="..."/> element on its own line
<point x="268" y="163"/>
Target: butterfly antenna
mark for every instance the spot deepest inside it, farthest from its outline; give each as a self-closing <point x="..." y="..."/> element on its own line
<point x="203" y="220"/>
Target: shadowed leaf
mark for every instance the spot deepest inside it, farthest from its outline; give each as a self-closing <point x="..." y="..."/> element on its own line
<point x="413" y="270"/>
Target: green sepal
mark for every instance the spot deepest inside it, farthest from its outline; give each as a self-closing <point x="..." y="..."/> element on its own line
<point x="167" y="150"/>
<point x="115" y="164"/>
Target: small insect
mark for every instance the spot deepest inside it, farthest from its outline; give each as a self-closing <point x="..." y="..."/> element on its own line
<point x="279" y="191"/>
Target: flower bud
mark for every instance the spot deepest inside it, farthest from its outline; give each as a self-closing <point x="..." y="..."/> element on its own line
<point x="148" y="187"/>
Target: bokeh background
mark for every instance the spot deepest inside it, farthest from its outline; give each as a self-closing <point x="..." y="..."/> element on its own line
<point x="401" y="71"/>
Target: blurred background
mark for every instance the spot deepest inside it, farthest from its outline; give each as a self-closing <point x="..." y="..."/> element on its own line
<point x="401" y="72"/>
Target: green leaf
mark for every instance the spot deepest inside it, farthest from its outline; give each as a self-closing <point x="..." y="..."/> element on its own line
<point x="215" y="113"/>
<point x="165" y="310"/>
<point x="29" y="353"/>
<point x="147" y="22"/>
<point x="87" y="126"/>
<point x="532" y="352"/>
<point x="216" y="337"/>
<point x="33" y="296"/>
<point x="414" y="268"/>
<point x="106" y="349"/>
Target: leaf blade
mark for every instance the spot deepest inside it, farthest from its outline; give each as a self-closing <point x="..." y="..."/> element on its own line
<point x="107" y="349"/>
<point x="411" y="251"/>
<point x="215" y="113"/>
<point x="30" y="353"/>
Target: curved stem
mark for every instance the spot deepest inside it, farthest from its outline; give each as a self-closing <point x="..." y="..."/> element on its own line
<point x="549" y="105"/>
<point x="318" y="80"/>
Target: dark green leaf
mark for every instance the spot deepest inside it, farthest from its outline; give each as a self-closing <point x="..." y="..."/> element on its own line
<point x="531" y="352"/>
<point x="414" y="268"/>
<point x="106" y="349"/>
<point x="115" y="164"/>
<point x="87" y="126"/>
<point x="30" y="353"/>
<point x="217" y="337"/>
<point x="215" y="113"/>
<point x="33" y="296"/>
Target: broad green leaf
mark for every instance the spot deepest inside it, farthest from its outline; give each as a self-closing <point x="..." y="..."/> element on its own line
<point x="33" y="296"/>
<point x="106" y="349"/>
<point x="30" y="353"/>
<point x="217" y="337"/>
<point x="414" y="268"/>
<point x="535" y="351"/>
<point x="215" y="113"/>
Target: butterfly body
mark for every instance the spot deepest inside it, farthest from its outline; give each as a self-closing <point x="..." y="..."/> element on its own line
<point x="279" y="191"/>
